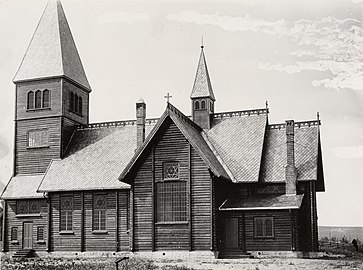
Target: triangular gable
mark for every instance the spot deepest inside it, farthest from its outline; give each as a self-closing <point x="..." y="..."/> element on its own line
<point x="192" y="133"/>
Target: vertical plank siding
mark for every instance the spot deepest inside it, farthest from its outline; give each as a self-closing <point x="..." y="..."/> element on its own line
<point x="12" y="220"/>
<point x="201" y="204"/>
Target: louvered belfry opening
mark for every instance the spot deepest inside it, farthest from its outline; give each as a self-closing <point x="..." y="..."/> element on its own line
<point x="290" y="169"/>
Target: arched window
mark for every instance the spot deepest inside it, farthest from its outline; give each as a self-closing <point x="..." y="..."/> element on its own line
<point x="14" y="234"/>
<point x="79" y="105"/>
<point x="211" y="106"/>
<point x="46" y="98"/>
<point x="38" y="99"/>
<point x="203" y="105"/>
<point x="196" y="105"/>
<point x="99" y="212"/>
<point x="30" y="101"/>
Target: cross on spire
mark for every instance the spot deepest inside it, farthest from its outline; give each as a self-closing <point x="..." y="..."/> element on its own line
<point x="168" y="96"/>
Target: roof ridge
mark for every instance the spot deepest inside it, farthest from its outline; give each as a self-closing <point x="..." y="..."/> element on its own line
<point x="299" y="124"/>
<point x="109" y="124"/>
<point x="181" y="115"/>
<point x="241" y="113"/>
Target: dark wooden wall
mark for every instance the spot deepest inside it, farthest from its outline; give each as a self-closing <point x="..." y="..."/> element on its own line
<point x="12" y="220"/>
<point x="116" y="236"/>
<point x="196" y="233"/>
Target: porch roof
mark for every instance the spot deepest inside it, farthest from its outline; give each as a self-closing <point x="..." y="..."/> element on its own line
<point x="263" y="202"/>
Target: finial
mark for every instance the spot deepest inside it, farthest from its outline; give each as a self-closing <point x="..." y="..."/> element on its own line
<point x="202" y="46"/>
<point x="318" y="116"/>
<point x="168" y="96"/>
<point x="266" y="103"/>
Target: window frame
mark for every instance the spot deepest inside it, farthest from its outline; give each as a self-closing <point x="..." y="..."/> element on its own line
<point x="28" y="212"/>
<point x="203" y="105"/>
<point x="33" y="102"/>
<point x="196" y="105"/>
<point x="76" y="103"/>
<point x="43" y="99"/>
<point x="171" y="206"/>
<point x="37" y="130"/>
<point x="40" y="232"/>
<point x="66" y="213"/>
<point x="14" y="231"/>
<point x="101" y="214"/>
<point x="264" y="232"/>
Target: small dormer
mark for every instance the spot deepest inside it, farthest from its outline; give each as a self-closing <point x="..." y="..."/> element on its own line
<point x="202" y="95"/>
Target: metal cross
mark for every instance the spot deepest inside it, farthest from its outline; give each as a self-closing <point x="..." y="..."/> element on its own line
<point x="168" y="96"/>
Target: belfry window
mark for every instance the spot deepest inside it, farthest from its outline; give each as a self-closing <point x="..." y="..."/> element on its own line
<point x="196" y="105"/>
<point x="171" y="192"/>
<point x="39" y="99"/>
<point x="203" y="105"/>
<point x="76" y="103"/>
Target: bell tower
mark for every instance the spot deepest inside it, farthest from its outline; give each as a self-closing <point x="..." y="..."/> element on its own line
<point x="52" y="94"/>
<point x="202" y="95"/>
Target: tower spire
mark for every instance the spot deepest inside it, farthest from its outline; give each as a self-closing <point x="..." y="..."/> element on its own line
<point x="52" y="51"/>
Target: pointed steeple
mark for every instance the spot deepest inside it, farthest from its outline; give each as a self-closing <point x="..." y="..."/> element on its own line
<point x="202" y="85"/>
<point x="52" y="51"/>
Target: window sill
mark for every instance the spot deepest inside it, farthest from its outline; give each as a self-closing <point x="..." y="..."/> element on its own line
<point x="14" y="242"/>
<point x="172" y="223"/>
<point x="36" y="147"/>
<point x="39" y="109"/>
<point x="100" y="232"/>
<point x="41" y="242"/>
<point x="28" y="215"/>
<point x="264" y="237"/>
<point x="66" y="232"/>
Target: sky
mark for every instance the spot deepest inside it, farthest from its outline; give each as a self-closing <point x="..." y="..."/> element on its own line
<point x="303" y="57"/>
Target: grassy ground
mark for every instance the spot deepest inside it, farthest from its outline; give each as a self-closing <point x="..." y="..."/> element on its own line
<point x="354" y="262"/>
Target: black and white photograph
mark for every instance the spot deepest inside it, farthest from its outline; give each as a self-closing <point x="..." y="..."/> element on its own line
<point x="181" y="134"/>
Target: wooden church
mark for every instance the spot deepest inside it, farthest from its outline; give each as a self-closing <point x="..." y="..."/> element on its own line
<point x="222" y="182"/>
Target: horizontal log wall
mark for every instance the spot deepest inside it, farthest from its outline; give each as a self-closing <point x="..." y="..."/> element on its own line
<point x="12" y="220"/>
<point x="282" y="240"/>
<point x="36" y="160"/>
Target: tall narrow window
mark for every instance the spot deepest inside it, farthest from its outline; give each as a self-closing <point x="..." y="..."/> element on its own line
<point x="46" y="98"/>
<point x="99" y="212"/>
<point x="76" y="103"/>
<point x="71" y="102"/>
<point x="203" y="105"/>
<point x="40" y="233"/>
<point x="264" y="227"/>
<point x="14" y="234"/>
<point x="30" y="101"/>
<point x="196" y="105"/>
<point x="171" y="195"/>
<point x="38" y="99"/>
<point x="66" y="217"/>
<point x="80" y="105"/>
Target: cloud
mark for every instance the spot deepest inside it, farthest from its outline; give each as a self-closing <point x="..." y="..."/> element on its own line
<point x="127" y="17"/>
<point x="329" y="44"/>
<point x="349" y="152"/>
<point x="229" y="23"/>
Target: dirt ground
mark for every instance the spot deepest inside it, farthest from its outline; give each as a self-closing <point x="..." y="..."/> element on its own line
<point x="270" y="263"/>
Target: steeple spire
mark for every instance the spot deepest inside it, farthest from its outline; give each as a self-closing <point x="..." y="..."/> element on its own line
<point x="52" y="51"/>
<point x="202" y="85"/>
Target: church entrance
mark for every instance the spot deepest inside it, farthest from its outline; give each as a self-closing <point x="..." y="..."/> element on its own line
<point x="27" y="235"/>
<point x="230" y="233"/>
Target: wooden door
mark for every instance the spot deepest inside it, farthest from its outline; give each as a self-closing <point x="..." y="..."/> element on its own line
<point x="27" y="235"/>
<point x="231" y="233"/>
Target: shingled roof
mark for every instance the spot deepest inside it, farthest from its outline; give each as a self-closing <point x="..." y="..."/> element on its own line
<point x="238" y="138"/>
<point x="94" y="158"/>
<point x="202" y="85"/>
<point x="263" y="202"/>
<point x="306" y="152"/>
<point x="192" y="132"/>
<point x="52" y="51"/>
<point x="23" y="186"/>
